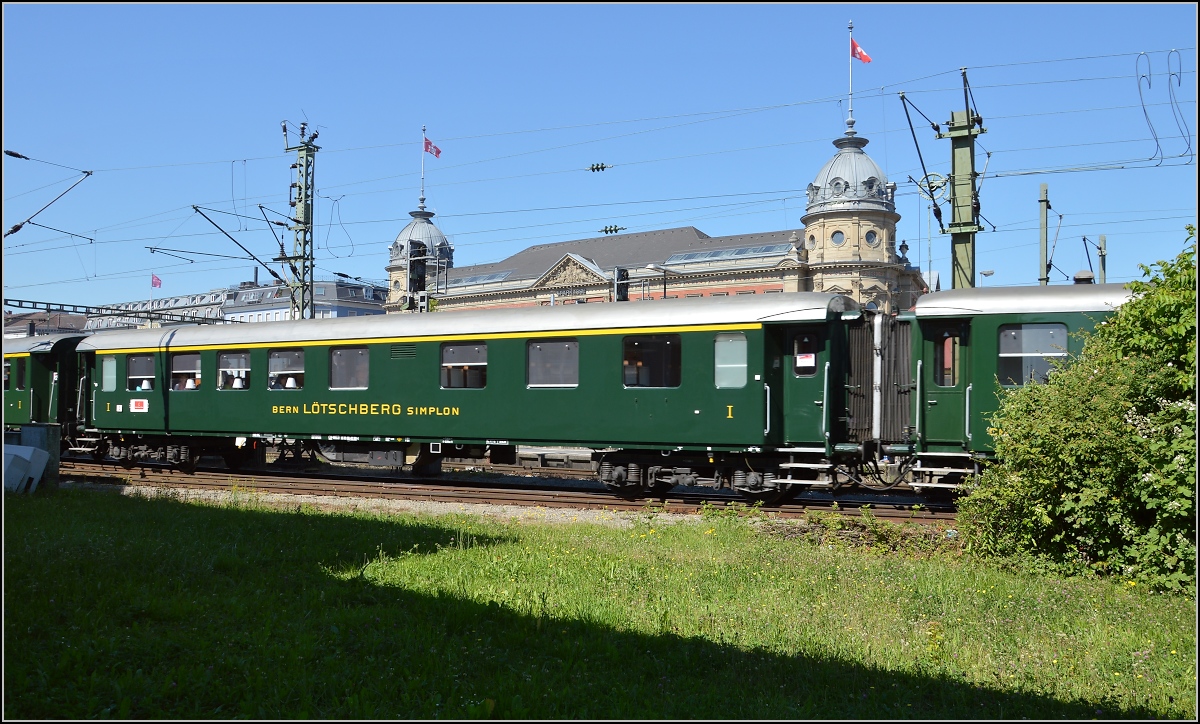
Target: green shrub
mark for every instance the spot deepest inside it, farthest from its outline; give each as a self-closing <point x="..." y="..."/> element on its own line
<point x="1097" y="467"/>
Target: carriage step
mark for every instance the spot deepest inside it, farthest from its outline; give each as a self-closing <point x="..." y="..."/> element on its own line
<point x="81" y="449"/>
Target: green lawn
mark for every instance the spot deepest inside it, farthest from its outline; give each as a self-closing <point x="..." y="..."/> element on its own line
<point x="156" y="608"/>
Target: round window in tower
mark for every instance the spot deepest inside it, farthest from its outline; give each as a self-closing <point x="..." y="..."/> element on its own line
<point x="812" y="242"/>
<point x="872" y="238"/>
<point x="838" y="238"/>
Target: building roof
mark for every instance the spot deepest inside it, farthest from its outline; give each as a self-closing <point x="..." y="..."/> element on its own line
<point x="851" y="180"/>
<point x="632" y="251"/>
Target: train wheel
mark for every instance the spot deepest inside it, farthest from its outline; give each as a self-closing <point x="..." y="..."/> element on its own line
<point x="757" y="488"/>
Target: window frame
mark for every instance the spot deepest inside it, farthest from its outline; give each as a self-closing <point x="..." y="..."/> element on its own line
<point x="672" y="361"/>
<point x="529" y="363"/>
<point x="180" y="377"/>
<point x="949" y="338"/>
<point x="446" y="372"/>
<point x="224" y="368"/>
<point x="802" y="338"/>
<point x="274" y="375"/>
<point x="129" y="376"/>
<point x="732" y="337"/>
<point x="1061" y="353"/>
<point x="364" y="353"/>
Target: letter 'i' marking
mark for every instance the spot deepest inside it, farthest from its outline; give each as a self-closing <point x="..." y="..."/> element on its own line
<point x="730" y="415"/>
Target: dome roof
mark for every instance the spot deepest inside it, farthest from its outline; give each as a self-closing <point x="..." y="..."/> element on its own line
<point x="851" y="180"/>
<point x="420" y="230"/>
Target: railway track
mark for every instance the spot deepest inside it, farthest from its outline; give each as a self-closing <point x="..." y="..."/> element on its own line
<point x="526" y="491"/>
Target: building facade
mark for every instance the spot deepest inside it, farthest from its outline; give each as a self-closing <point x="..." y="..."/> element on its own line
<point x="847" y="246"/>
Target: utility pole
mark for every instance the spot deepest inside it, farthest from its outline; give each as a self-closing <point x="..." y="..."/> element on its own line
<point x="961" y="129"/>
<point x="1103" y="254"/>
<point x="1044" y="237"/>
<point x="300" y="264"/>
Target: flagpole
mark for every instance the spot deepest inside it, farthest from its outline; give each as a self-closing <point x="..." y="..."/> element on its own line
<point x="422" y="202"/>
<point x="150" y="317"/>
<point x="851" y="27"/>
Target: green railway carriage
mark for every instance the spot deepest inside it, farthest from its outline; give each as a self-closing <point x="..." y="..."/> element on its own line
<point x="40" y="382"/>
<point x="973" y="342"/>
<point x="671" y="392"/>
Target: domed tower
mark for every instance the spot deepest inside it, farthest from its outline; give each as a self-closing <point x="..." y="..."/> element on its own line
<point x="416" y="258"/>
<point x="850" y="230"/>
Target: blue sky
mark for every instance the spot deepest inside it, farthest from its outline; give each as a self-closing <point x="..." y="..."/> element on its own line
<point x="715" y="116"/>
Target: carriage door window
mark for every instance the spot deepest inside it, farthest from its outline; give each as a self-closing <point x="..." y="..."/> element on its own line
<point x="464" y="366"/>
<point x="233" y="371"/>
<point x="730" y="359"/>
<point x="349" y="368"/>
<point x="140" y="372"/>
<point x="285" y="369"/>
<point x="652" y="360"/>
<point x="1027" y="351"/>
<point x="185" y="371"/>
<point x="804" y="353"/>
<point x="945" y="359"/>
<point x="553" y="363"/>
<point x="108" y="374"/>
<point x="15" y="368"/>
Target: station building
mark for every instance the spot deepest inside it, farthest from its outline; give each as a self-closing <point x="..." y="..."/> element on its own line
<point x="847" y="245"/>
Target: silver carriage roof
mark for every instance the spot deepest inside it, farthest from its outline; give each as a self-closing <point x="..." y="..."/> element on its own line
<point x="1023" y="300"/>
<point x="785" y="307"/>
<point x="39" y="345"/>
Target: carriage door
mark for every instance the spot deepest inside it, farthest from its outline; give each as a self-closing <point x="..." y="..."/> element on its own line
<point x="946" y="389"/>
<point x="806" y="381"/>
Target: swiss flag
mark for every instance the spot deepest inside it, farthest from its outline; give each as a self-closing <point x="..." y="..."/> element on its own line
<point x="430" y="148"/>
<point x="856" y="51"/>
<point x="155" y="282"/>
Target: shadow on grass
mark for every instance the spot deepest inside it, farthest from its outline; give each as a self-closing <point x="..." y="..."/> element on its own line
<point x="126" y="607"/>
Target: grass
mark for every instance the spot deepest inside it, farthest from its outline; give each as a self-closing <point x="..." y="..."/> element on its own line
<point x="125" y="607"/>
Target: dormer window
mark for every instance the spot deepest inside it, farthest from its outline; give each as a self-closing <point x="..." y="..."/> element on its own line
<point x="838" y="186"/>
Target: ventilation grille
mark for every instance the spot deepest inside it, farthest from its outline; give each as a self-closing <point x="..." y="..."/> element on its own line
<point x="404" y="351"/>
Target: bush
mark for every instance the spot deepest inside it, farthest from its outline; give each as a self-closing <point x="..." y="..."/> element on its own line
<point x="1097" y="467"/>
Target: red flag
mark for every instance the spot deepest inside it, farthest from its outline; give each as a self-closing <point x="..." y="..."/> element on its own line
<point x="856" y="51"/>
<point x="430" y="148"/>
<point x="155" y="282"/>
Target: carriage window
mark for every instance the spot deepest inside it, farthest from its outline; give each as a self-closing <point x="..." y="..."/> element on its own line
<point x="185" y="371"/>
<point x="464" y="366"/>
<point x="233" y="371"/>
<point x="285" y="369"/>
<point x="349" y="368"/>
<point x="108" y="374"/>
<point x="945" y="362"/>
<point x="14" y="374"/>
<point x="804" y="352"/>
<point x="729" y="354"/>
<point x="140" y="372"/>
<point x="553" y="363"/>
<point x="652" y="360"/>
<point x="1027" y="351"/>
